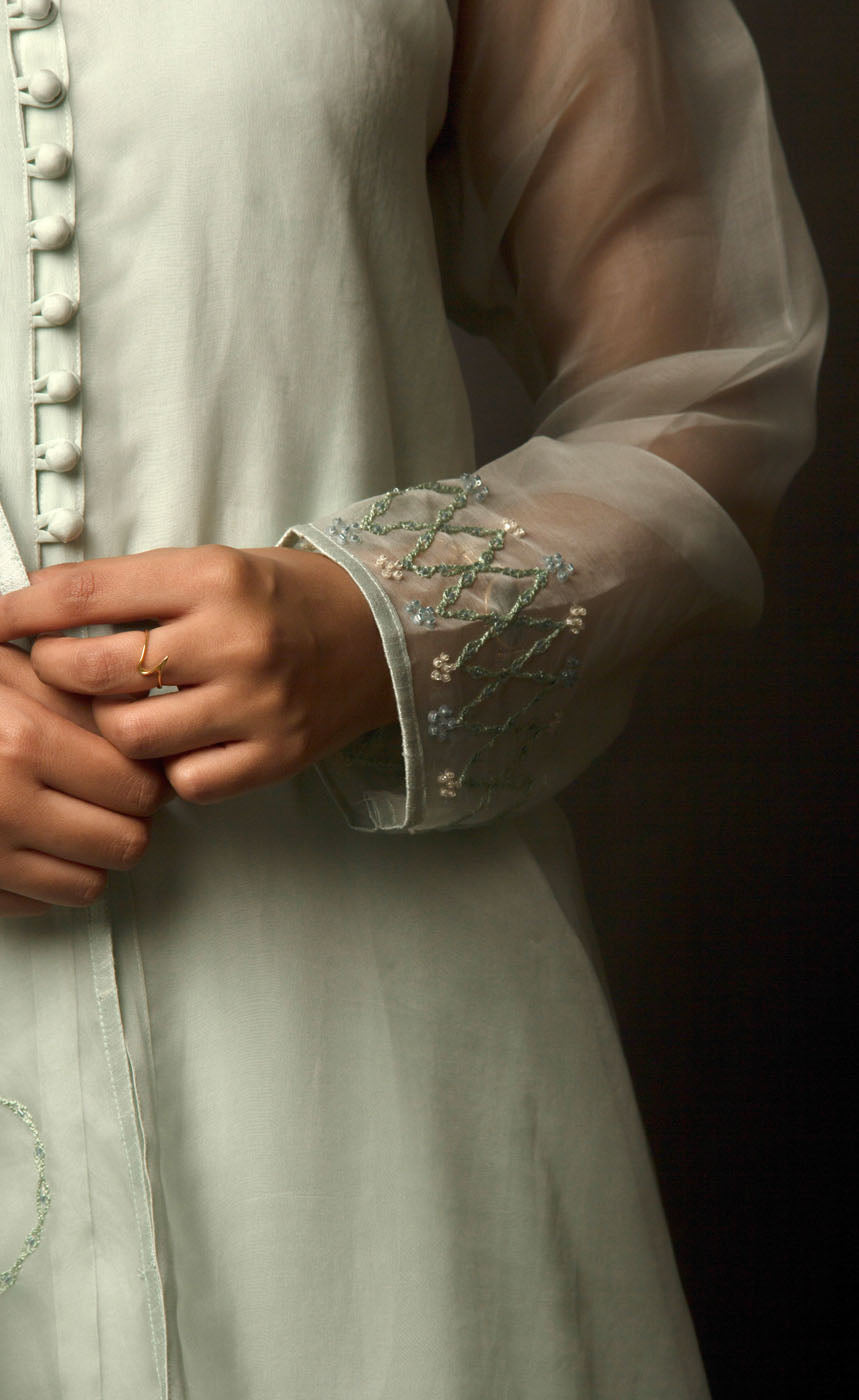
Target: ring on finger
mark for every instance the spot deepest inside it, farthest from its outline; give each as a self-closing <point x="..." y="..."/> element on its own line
<point x="158" y="669"/>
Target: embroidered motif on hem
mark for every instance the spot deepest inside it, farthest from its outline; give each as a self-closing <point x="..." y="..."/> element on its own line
<point x="43" y="1195"/>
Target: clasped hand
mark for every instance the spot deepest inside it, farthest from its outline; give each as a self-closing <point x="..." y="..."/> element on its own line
<point x="277" y="660"/>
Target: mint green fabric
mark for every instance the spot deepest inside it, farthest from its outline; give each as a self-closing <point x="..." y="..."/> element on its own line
<point x="329" y="1115"/>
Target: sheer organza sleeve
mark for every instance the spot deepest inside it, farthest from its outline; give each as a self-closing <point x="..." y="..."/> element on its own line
<point x="614" y="212"/>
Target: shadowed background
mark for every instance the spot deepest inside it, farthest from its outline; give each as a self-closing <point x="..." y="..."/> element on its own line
<point x="715" y="841"/>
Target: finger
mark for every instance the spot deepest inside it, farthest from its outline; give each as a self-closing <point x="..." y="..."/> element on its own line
<point x="16" y="671"/>
<point x="160" y="583"/>
<point x="111" y="665"/>
<point x="41" y="877"/>
<point x="19" y="906"/>
<point x="81" y="832"/>
<point x="71" y="760"/>
<point x="210" y="775"/>
<point x="167" y="724"/>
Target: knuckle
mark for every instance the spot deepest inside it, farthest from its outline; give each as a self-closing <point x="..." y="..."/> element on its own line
<point x="96" y="667"/>
<point x="19" y="733"/>
<point x="129" y="731"/>
<point x="80" y="587"/>
<point x="254" y="648"/>
<point x="131" y="844"/>
<point x="224" y="568"/>
<point x="88" y="887"/>
<point x="192" y="785"/>
<point x="146" y="792"/>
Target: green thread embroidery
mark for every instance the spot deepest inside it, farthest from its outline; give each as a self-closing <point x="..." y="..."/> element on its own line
<point x="525" y="665"/>
<point x="43" y="1195"/>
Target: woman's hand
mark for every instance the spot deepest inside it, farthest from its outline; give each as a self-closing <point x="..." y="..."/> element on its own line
<point x="275" y="654"/>
<point x="71" y="807"/>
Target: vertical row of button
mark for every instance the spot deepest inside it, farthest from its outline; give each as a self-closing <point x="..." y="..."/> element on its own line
<point x="39" y="52"/>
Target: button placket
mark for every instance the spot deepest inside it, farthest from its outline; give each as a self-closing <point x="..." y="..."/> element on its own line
<point x="39" y="52"/>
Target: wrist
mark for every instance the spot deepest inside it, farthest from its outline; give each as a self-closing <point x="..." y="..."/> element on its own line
<point x="351" y="647"/>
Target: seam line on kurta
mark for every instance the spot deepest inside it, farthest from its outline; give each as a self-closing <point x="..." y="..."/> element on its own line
<point x="116" y="1054"/>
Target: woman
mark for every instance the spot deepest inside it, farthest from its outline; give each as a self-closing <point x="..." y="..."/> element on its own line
<point x="310" y="1113"/>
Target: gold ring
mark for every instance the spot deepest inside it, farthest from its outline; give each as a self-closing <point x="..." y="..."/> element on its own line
<point x="158" y="670"/>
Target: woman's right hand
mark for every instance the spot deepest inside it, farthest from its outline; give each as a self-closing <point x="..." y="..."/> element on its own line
<point x="71" y="806"/>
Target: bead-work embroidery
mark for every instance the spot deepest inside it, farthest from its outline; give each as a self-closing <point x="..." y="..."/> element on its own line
<point x="529" y="636"/>
<point x="344" y="532"/>
<point x="556" y="564"/>
<point x="575" y="619"/>
<point x="442" y="668"/>
<point x="420" y="613"/>
<point x="441" y="721"/>
<point x="43" y="1195"/>
<point x="389" y="568"/>
<point x="448" y="783"/>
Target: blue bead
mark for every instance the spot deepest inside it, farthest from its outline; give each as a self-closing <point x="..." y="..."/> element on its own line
<point x="340" y="529"/>
<point x="421" y="613"/>
<point x="474" y="486"/>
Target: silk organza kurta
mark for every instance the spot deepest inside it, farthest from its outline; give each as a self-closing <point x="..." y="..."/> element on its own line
<point x="324" y="1099"/>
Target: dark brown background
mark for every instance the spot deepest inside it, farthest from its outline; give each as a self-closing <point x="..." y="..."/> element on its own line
<point x="715" y="843"/>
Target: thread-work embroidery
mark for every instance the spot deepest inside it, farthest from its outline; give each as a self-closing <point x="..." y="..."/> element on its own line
<point x="43" y="1195"/>
<point x="530" y="634"/>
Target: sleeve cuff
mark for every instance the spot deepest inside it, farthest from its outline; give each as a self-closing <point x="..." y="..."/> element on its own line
<point x="378" y="782"/>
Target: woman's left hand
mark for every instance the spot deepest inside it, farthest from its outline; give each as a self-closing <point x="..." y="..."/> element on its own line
<point x="275" y="654"/>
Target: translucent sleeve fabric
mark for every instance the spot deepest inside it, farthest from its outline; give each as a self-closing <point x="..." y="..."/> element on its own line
<point x="613" y="210"/>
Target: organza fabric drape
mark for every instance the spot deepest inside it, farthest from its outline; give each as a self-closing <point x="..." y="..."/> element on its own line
<point x="614" y="212"/>
<point x="323" y="1115"/>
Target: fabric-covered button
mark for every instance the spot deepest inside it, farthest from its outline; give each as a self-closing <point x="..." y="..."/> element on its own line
<point x="59" y="526"/>
<point x="50" y="232"/>
<point x="59" y="386"/>
<point x="59" y="455"/>
<point x="30" y="14"/>
<point x="49" y="161"/>
<point x="55" y="309"/>
<point x="45" y="87"/>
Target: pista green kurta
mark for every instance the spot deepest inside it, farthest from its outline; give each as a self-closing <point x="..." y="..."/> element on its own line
<point x="313" y="1113"/>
